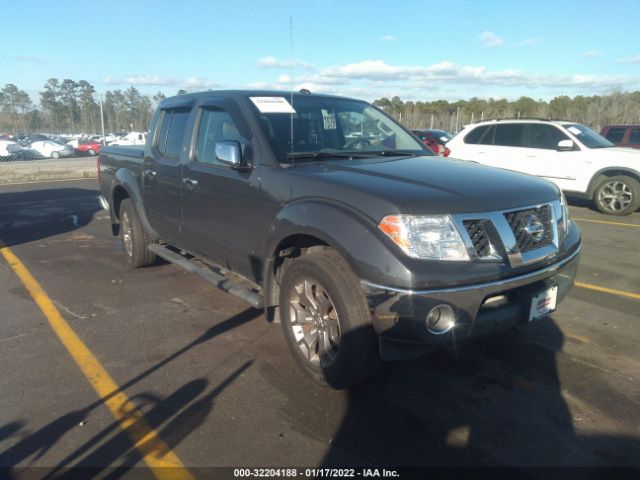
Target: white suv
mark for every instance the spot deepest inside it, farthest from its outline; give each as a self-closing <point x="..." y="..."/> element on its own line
<point x="574" y="157"/>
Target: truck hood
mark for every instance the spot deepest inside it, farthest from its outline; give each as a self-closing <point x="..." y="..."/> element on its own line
<point x="428" y="185"/>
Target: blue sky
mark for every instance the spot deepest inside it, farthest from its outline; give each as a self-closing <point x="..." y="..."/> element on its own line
<point x="418" y="50"/>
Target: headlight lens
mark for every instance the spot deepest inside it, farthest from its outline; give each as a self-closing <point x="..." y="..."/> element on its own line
<point x="565" y="222"/>
<point x="426" y="237"/>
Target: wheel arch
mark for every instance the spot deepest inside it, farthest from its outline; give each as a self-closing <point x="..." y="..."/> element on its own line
<point x="124" y="185"/>
<point x="304" y="228"/>
<point x="608" y="173"/>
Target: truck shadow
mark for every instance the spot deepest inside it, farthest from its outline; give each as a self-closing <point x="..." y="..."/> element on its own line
<point x="494" y="403"/>
<point x="33" y="215"/>
<point x="111" y="450"/>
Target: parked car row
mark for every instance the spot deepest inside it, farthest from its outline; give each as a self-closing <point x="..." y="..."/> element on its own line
<point x="38" y="146"/>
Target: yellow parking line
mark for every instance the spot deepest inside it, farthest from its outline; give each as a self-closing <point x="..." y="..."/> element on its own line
<point x="597" y="288"/>
<point x="620" y="224"/>
<point x="162" y="461"/>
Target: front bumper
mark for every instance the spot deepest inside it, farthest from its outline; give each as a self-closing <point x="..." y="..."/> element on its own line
<point x="399" y="315"/>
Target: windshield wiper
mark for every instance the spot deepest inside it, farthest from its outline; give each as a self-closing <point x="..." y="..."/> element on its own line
<point x="316" y="155"/>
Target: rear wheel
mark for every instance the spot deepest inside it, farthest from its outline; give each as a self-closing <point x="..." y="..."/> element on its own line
<point x="618" y="195"/>
<point x="91" y="152"/>
<point x="326" y="321"/>
<point x="134" y="238"/>
<point x="55" y="155"/>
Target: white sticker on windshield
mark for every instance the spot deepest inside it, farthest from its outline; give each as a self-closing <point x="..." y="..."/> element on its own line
<point x="329" y="120"/>
<point x="272" y="104"/>
<point x="575" y="130"/>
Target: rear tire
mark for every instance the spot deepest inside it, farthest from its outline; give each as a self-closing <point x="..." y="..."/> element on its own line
<point x="55" y="155"/>
<point x="326" y="321"/>
<point x="134" y="238"/>
<point x="619" y="195"/>
<point x="91" y="152"/>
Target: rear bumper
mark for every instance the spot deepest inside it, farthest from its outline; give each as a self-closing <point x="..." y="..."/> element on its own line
<point x="399" y="316"/>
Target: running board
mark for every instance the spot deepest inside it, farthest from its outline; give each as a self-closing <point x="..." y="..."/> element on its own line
<point x="252" y="298"/>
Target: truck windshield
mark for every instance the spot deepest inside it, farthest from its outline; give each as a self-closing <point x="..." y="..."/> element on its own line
<point x="587" y="136"/>
<point x="324" y="128"/>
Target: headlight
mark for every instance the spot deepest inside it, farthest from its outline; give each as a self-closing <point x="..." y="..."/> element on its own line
<point x="427" y="237"/>
<point x="564" y="223"/>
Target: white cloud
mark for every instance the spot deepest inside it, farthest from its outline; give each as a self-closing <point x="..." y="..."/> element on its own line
<point x="191" y="83"/>
<point x="379" y="78"/>
<point x="387" y="38"/>
<point x="635" y="59"/>
<point x="529" y="42"/>
<point x="591" y="54"/>
<point x="490" y="39"/>
<point x="273" y="62"/>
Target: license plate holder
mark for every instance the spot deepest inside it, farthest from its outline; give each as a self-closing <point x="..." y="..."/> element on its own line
<point x="543" y="303"/>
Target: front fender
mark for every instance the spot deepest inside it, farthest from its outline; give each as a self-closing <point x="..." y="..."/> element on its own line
<point x="126" y="180"/>
<point x="339" y="226"/>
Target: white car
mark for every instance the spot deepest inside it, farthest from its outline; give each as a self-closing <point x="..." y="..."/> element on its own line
<point x="574" y="157"/>
<point x="7" y="147"/>
<point x="51" y="149"/>
<point x="132" y="138"/>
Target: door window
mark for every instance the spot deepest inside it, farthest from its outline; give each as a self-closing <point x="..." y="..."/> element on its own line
<point x="509" y="135"/>
<point x="215" y="126"/>
<point x="173" y="125"/>
<point x="615" y="135"/>
<point x="545" y="136"/>
<point x="634" y="137"/>
<point x="480" y="135"/>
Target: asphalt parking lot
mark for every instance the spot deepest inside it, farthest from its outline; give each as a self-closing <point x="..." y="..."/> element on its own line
<point x="217" y="385"/>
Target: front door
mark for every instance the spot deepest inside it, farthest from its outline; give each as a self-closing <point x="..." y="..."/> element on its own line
<point x="221" y="205"/>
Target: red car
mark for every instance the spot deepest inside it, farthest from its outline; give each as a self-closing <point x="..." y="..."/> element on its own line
<point x="622" y="135"/>
<point x="435" y="140"/>
<point x="90" y="148"/>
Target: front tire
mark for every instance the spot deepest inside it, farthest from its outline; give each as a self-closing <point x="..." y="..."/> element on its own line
<point x="91" y="152"/>
<point x="326" y="321"/>
<point x="619" y="195"/>
<point x="55" y="155"/>
<point x="134" y="238"/>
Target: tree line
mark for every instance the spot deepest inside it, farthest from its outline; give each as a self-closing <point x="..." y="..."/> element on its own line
<point x="70" y="106"/>
<point x="594" y="111"/>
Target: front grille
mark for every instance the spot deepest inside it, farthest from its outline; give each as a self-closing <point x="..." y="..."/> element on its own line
<point x="478" y="236"/>
<point x="533" y="227"/>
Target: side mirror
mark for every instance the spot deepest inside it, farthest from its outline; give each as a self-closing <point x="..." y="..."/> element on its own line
<point x="566" y="145"/>
<point x="229" y="153"/>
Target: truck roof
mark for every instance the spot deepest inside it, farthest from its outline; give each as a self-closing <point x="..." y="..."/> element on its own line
<point x="243" y="94"/>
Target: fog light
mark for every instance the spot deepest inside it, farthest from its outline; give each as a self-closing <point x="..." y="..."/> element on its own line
<point x="440" y="319"/>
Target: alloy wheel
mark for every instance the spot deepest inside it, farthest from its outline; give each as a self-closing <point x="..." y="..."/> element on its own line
<point x="314" y="322"/>
<point x="615" y="196"/>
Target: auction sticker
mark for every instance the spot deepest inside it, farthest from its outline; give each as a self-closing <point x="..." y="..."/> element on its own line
<point x="272" y="104"/>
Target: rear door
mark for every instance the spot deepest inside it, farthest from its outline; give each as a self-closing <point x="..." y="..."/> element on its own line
<point x="543" y="159"/>
<point x="162" y="173"/>
<point x="222" y="206"/>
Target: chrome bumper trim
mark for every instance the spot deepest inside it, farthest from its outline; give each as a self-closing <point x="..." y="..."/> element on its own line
<point x="479" y="286"/>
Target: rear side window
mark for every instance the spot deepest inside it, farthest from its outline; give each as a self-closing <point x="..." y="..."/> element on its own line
<point x="171" y="133"/>
<point x="474" y="135"/>
<point x="615" y="135"/>
<point x="634" y="136"/>
<point x="481" y="135"/>
<point x="545" y="136"/>
<point x="509" y="135"/>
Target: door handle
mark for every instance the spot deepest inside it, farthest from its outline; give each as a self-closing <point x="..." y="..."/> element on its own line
<point x="149" y="173"/>
<point x="190" y="182"/>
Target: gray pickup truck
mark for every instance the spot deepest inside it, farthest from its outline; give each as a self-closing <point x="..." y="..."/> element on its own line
<point x="340" y="224"/>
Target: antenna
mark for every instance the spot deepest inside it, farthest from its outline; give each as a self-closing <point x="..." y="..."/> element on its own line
<point x="291" y="83"/>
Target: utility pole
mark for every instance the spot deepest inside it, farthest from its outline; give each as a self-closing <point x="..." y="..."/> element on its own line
<point x="104" y="142"/>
